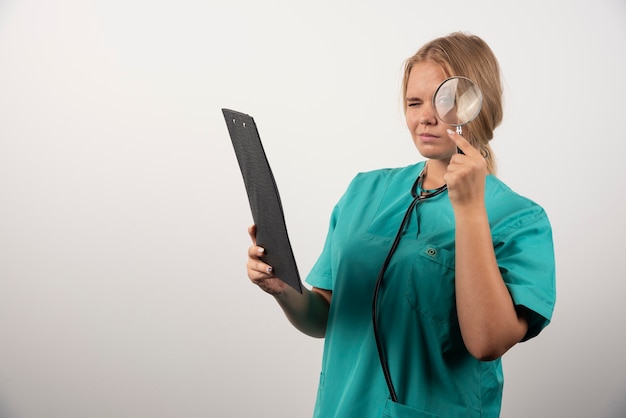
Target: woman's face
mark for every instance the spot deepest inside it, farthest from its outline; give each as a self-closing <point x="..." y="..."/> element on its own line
<point x="429" y="133"/>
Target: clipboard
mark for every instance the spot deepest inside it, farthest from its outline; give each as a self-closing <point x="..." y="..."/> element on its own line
<point x="263" y="196"/>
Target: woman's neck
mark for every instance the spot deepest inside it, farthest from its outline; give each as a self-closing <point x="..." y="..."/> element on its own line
<point x="433" y="174"/>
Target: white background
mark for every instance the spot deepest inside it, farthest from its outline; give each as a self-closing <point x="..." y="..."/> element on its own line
<point x="123" y="214"/>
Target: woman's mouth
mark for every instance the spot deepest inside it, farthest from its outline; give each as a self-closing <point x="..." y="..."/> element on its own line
<point x="426" y="137"/>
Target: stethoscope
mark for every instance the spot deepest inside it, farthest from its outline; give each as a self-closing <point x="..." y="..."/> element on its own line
<point x="418" y="197"/>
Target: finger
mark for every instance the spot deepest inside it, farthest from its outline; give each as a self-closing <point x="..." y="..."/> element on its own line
<point x="258" y="275"/>
<point x="256" y="252"/>
<point x="258" y="266"/>
<point x="462" y="143"/>
<point x="267" y="270"/>
<point x="259" y="272"/>
<point x="252" y="233"/>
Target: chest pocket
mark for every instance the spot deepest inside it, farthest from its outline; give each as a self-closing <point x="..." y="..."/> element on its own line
<point x="396" y="410"/>
<point x="430" y="289"/>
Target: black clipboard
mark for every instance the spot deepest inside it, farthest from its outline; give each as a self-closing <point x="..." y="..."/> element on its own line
<point x="265" y="204"/>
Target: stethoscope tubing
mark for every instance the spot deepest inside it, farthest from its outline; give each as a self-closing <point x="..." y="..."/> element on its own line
<point x="417" y="198"/>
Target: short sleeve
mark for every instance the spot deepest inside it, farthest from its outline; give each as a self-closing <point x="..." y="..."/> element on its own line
<point x="525" y="253"/>
<point x="321" y="274"/>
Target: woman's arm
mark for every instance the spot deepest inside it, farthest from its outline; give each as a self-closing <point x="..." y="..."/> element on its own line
<point x="490" y="324"/>
<point x="307" y="311"/>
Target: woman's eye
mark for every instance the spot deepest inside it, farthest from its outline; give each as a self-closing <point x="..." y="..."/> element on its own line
<point x="445" y="101"/>
<point x="413" y="104"/>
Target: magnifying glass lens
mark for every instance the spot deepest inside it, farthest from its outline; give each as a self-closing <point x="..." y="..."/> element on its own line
<point x="457" y="101"/>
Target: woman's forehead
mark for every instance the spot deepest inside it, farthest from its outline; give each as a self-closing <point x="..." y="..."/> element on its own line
<point x="425" y="75"/>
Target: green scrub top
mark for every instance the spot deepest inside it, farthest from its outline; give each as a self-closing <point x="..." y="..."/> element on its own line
<point x="433" y="373"/>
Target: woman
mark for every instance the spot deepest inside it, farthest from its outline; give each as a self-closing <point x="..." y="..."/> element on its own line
<point x="471" y="274"/>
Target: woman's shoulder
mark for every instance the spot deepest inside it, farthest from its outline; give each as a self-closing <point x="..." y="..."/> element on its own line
<point x="378" y="175"/>
<point x="496" y="189"/>
<point x="506" y="205"/>
<point x="371" y="184"/>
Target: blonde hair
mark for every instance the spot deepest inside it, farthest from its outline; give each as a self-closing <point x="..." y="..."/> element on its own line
<point x="460" y="54"/>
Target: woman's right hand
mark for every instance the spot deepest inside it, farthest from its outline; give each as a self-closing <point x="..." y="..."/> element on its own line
<point x="259" y="272"/>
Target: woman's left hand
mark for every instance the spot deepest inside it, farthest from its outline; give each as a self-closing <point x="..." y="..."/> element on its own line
<point x="466" y="174"/>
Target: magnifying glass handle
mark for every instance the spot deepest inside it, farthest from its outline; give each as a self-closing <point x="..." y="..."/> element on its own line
<point x="459" y="131"/>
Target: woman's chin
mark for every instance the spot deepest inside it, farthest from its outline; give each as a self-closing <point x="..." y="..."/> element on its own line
<point x="435" y="153"/>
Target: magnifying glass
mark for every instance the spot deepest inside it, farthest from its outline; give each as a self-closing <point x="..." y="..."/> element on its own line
<point x="457" y="102"/>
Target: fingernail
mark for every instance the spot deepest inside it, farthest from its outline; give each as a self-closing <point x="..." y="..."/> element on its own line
<point x="261" y="250"/>
<point x="450" y="132"/>
<point x="269" y="270"/>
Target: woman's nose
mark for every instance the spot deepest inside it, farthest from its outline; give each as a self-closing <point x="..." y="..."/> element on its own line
<point x="428" y="119"/>
<point x="428" y="116"/>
